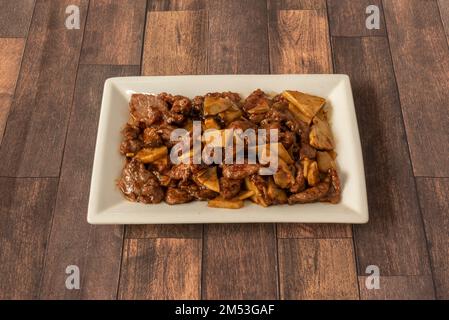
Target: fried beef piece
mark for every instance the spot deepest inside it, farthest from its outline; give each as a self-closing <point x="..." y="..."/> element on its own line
<point x="334" y="193"/>
<point x="257" y="99"/>
<point x="180" y="172"/>
<point x="177" y="196"/>
<point x="312" y="194"/>
<point x="164" y="131"/>
<point x="151" y="137"/>
<point x="131" y="142"/>
<point x="300" y="181"/>
<point x="241" y="125"/>
<point x="239" y="171"/>
<point x="181" y="105"/>
<point x="147" y="109"/>
<point x="200" y="193"/>
<point x="184" y="171"/>
<point x="229" y="188"/>
<point x="234" y="97"/>
<point x="307" y="151"/>
<point x="197" y="105"/>
<point x="130" y="146"/>
<point x="139" y="184"/>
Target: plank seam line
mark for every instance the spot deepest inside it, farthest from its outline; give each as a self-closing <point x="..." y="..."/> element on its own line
<point x="353" y="241"/>
<point x="125" y="227"/>
<point x="62" y="159"/>
<point x="442" y="25"/>
<point x="19" y="76"/>
<point x="409" y="152"/>
<point x="109" y="65"/>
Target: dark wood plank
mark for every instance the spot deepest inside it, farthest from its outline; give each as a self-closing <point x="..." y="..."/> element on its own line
<point x="26" y="206"/>
<point x="175" y="43"/>
<point x="421" y="60"/>
<point x="114" y="32"/>
<point x="232" y="251"/>
<point x="394" y="238"/>
<point x="434" y="201"/>
<point x="317" y="269"/>
<point x="230" y="50"/>
<point x="316" y="231"/>
<point x="175" y="5"/>
<point x="275" y="5"/>
<point x="239" y="262"/>
<point x="15" y="17"/>
<point x="444" y="13"/>
<point x="164" y="231"/>
<point x="299" y="43"/>
<point x="161" y="269"/>
<point x="96" y="250"/>
<point x="180" y="38"/>
<point x="10" y="59"/>
<point x="34" y="137"/>
<point x="399" y="288"/>
<point x="348" y="18"/>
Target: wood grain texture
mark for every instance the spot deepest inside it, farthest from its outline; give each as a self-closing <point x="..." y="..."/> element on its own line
<point x="237" y="45"/>
<point x="444" y="14"/>
<point x="275" y="5"/>
<point x="311" y="230"/>
<point x="421" y="60"/>
<point x="231" y="252"/>
<point x="10" y="59"/>
<point x="161" y="269"/>
<point x="299" y="42"/>
<point x="239" y="262"/>
<point x="114" y="32"/>
<point x="394" y="238"/>
<point x="34" y="138"/>
<point x="26" y="206"/>
<point x="317" y="269"/>
<point x="15" y="17"/>
<point x="399" y="288"/>
<point x="348" y="18"/>
<point x="175" y="5"/>
<point x="434" y="201"/>
<point x="164" y="231"/>
<point x="96" y="250"/>
<point x="175" y="43"/>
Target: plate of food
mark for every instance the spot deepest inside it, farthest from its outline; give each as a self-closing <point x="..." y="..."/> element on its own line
<point x="228" y="149"/>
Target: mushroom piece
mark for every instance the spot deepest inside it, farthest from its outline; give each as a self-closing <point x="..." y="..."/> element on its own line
<point x="276" y="194"/>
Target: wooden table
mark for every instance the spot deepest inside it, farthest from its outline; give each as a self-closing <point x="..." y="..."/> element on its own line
<point x="51" y="81"/>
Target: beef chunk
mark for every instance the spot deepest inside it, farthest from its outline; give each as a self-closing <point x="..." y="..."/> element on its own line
<point x="229" y="188"/>
<point x="239" y="171"/>
<point x="177" y="196"/>
<point x="312" y="194"/>
<point x="151" y="137"/>
<point x="147" y="109"/>
<point x="139" y="184"/>
<point x="130" y="146"/>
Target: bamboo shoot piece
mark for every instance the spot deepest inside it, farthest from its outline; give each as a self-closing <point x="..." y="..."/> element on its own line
<point x="321" y="135"/>
<point x="307" y="104"/>
<point x="219" y="202"/>
<point x="208" y="178"/>
<point x="149" y="155"/>
<point x="214" y="105"/>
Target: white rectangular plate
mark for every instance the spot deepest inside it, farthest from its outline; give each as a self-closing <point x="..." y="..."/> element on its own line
<point x="108" y="206"/>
